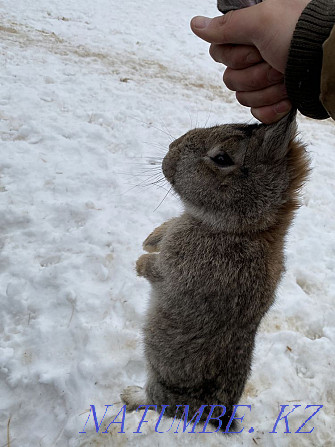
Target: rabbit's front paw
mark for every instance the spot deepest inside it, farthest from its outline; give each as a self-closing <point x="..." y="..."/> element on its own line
<point x="151" y="246"/>
<point x="152" y="242"/>
<point x="141" y="264"/>
<point x="146" y="266"/>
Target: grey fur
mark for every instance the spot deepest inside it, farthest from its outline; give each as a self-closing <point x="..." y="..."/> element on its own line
<point x="214" y="270"/>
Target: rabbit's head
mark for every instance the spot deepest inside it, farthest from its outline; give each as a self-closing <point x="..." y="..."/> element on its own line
<point x="238" y="177"/>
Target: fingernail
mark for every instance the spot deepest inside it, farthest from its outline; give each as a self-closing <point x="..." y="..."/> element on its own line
<point x="282" y="107"/>
<point x="274" y="75"/>
<point x="200" y="22"/>
<point x="253" y="58"/>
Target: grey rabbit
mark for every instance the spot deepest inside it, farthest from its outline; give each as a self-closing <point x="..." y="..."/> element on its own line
<point x="215" y="269"/>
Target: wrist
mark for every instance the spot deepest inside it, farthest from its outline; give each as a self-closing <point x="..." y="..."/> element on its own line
<point x="304" y="63"/>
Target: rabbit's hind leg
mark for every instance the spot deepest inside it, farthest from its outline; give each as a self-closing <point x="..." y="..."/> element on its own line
<point x="133" y="397"/>
<point x="197" y="404"/>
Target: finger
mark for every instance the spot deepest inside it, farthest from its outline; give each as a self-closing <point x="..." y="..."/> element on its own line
<point x="235" y="56"/>
<point x="256" y="77"/>
<point x="265" y="97"/>
<point x="243" y="26"/>
<point x="273" y="113"/>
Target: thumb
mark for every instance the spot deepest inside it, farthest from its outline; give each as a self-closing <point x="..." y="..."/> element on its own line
<point x="236" y="27"/>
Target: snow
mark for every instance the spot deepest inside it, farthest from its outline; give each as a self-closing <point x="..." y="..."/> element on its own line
<point x="91" y="95"/>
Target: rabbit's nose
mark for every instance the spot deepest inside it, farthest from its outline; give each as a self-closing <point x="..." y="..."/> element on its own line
<point x="169" y="166"/>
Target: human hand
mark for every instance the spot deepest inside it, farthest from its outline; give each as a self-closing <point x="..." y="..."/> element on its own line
<point x="253" y="43"/>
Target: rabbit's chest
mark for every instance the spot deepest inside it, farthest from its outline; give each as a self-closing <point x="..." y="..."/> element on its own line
<point x="200" y="258"/>
<point x="218" y="272"/>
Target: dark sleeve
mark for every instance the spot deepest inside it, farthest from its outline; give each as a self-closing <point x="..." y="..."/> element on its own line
<point x="303" y="69"/>
<point x="327" y="96"/>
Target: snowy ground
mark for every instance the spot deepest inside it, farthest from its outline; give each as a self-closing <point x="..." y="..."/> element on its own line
<point x="89" y="92"/>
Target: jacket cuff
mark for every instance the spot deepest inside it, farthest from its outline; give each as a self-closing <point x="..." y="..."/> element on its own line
<point x="304" y="63"/>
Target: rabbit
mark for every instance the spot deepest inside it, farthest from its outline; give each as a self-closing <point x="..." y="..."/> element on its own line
<point x="215" y="269"/>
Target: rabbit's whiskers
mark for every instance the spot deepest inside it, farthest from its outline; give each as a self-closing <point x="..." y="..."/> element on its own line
<point x="163" y="199"/>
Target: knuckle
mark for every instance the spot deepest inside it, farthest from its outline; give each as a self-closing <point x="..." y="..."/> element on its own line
<point x="238" y="57"/>
<point x="222" y="54"/>
<point x="227" y="79"/>
<point x="234" y="60"/>
<point x="221" y="20"/>
<point x="214" y="53"/>
<point x="220" y="23"/>
<point x="242" y="99"/>
<point x="212" y="50"/>
<point x="255" y="80"/>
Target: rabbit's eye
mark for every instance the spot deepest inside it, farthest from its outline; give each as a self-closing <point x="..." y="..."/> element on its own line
<point x="223" y="160"/>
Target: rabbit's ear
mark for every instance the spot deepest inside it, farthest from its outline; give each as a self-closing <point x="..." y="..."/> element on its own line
<point x="277" y="137"/>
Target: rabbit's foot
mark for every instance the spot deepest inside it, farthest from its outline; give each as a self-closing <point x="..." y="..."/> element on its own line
<point x="146" y="266"/>
<point x="151" y="244"/>
<point x="133" y="397"/>
<point x="141" y="264"/>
